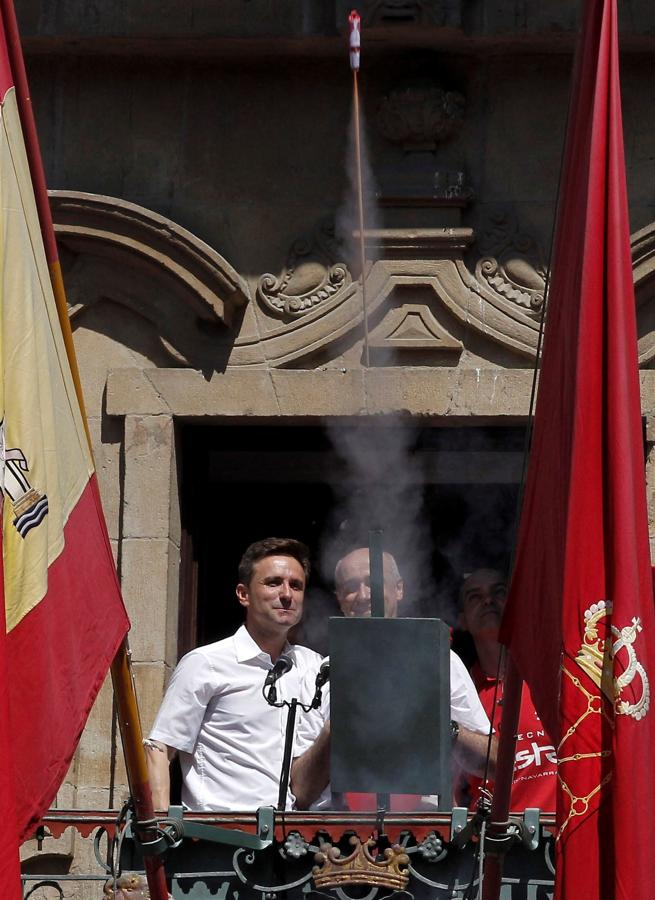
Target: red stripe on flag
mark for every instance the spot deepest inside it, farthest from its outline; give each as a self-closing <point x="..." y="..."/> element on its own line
<point x="579" y="619"/>
<point x="58" y="657"/>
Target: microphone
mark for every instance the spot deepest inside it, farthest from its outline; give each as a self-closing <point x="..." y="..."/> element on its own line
<point x="321" y="679"/>
<point x="323" y="674"/>
<point x="283" y="664"/>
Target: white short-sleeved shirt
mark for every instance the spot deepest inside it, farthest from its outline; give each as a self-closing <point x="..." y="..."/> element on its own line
<point x="465" y="708"/>
<point x="230" y="740"/>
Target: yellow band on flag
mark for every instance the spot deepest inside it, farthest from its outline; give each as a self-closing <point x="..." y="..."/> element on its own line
<point x="47" y="462"/>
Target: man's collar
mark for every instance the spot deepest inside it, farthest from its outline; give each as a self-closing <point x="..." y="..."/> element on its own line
<point x="480" y="678"/>
<point x="246" y="648"/>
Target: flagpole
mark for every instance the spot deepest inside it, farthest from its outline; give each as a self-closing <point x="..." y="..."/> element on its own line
<point x="123" y="684"/>
<point x="129" y="723"/>
<point x="500" y="805"/>
<point x="9" y="848"/>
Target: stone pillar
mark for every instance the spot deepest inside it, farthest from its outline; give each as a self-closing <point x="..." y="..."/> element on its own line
<point x="147" y="542"/>
<point x="149" y="556"/>
<point x="137" y="470"/>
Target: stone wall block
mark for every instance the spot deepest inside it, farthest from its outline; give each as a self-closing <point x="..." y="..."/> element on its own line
<point x="96" y="352"/>
<point x="173" y="604"/>
<point x="149" y="455"/>
<point x="139" y="396"/>
<point x="92" y="769"/>
<point x="323" y="392"/>
<point x="150" y="680"/>
<point x="150" y="575"/>
<point x="107" y="453"/>
<point x="388" y="394"/>
<point x="94" y="749"/>
<point x="174" y="520"/>
<point x="444" y="392"/>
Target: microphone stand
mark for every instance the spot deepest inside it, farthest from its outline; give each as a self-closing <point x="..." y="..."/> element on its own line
<point x="286" y="760"/>
<point x="293" y="705"/>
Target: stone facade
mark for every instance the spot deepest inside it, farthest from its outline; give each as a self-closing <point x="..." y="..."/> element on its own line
<point x="198" y="155"/>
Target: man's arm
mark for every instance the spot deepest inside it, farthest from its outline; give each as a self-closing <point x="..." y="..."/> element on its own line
<point x="470" y="752"/>
<point x="158" y="757"/>
<point x="310" y="773"/>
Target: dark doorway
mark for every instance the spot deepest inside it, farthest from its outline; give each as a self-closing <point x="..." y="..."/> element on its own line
<point x="445" y="498"/>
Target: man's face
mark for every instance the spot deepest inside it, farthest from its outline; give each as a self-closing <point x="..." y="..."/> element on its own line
<point x="353" y="588"/>
<point x="274" y="597"/>
<point x="483" y="599"/>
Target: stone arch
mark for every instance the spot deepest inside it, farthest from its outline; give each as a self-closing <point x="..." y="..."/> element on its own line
<point x="182" y="299"/>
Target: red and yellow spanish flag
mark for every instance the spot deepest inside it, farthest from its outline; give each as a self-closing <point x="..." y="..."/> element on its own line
<point x="579" y="620"/>
<point x="63" y="614"/>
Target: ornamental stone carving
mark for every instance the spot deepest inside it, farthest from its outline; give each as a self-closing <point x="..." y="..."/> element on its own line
<point x="420" y="115"/>
<point x="312" y="275"/>
<point x="172" y="301"/>
<point x="513" y="265"/>
<point x="412" y="326"/>
<point x="429" y="12"/>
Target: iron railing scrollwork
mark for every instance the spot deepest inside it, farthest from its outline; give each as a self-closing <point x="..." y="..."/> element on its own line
<point x="301" y="856"/>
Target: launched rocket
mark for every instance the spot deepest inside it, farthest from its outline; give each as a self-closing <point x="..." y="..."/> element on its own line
<point x="354" y="26"/>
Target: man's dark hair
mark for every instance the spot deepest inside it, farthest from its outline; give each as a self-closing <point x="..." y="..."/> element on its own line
<point x="272" y="547"/>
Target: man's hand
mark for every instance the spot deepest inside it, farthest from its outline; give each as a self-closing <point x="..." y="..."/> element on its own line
<point x="470" y="752"/>
<point x="158" y="757"/>
<point x="310" y="773"/>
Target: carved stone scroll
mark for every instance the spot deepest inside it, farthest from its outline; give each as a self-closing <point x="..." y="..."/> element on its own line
<point x="312" y="276"/>
<point x="513" y="264"/>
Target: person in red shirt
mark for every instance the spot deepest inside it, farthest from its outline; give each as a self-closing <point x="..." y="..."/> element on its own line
<point x="482" y="600"/>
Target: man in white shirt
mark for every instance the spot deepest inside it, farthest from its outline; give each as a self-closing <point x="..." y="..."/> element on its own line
<point x="310" y="771"/>
<point x="214" y="714"/>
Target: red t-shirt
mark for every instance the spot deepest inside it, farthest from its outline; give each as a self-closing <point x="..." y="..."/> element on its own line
<point x="535" y="763"/>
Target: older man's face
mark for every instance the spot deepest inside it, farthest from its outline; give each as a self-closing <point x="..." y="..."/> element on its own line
<point x="483" y="599"/>
<point x="353" y="586"/>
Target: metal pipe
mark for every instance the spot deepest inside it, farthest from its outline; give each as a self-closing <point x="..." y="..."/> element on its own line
<point x="354" y="44"/>
<point x="500" y="806"/>
<point x="376" y="572"/>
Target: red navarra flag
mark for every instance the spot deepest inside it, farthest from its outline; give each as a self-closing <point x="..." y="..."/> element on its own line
<point x="579" y="620"/>
<point x="63" y="614"/>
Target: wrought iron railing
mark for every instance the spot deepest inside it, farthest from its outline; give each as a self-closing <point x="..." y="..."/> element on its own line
<point x="268" y="855"/>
